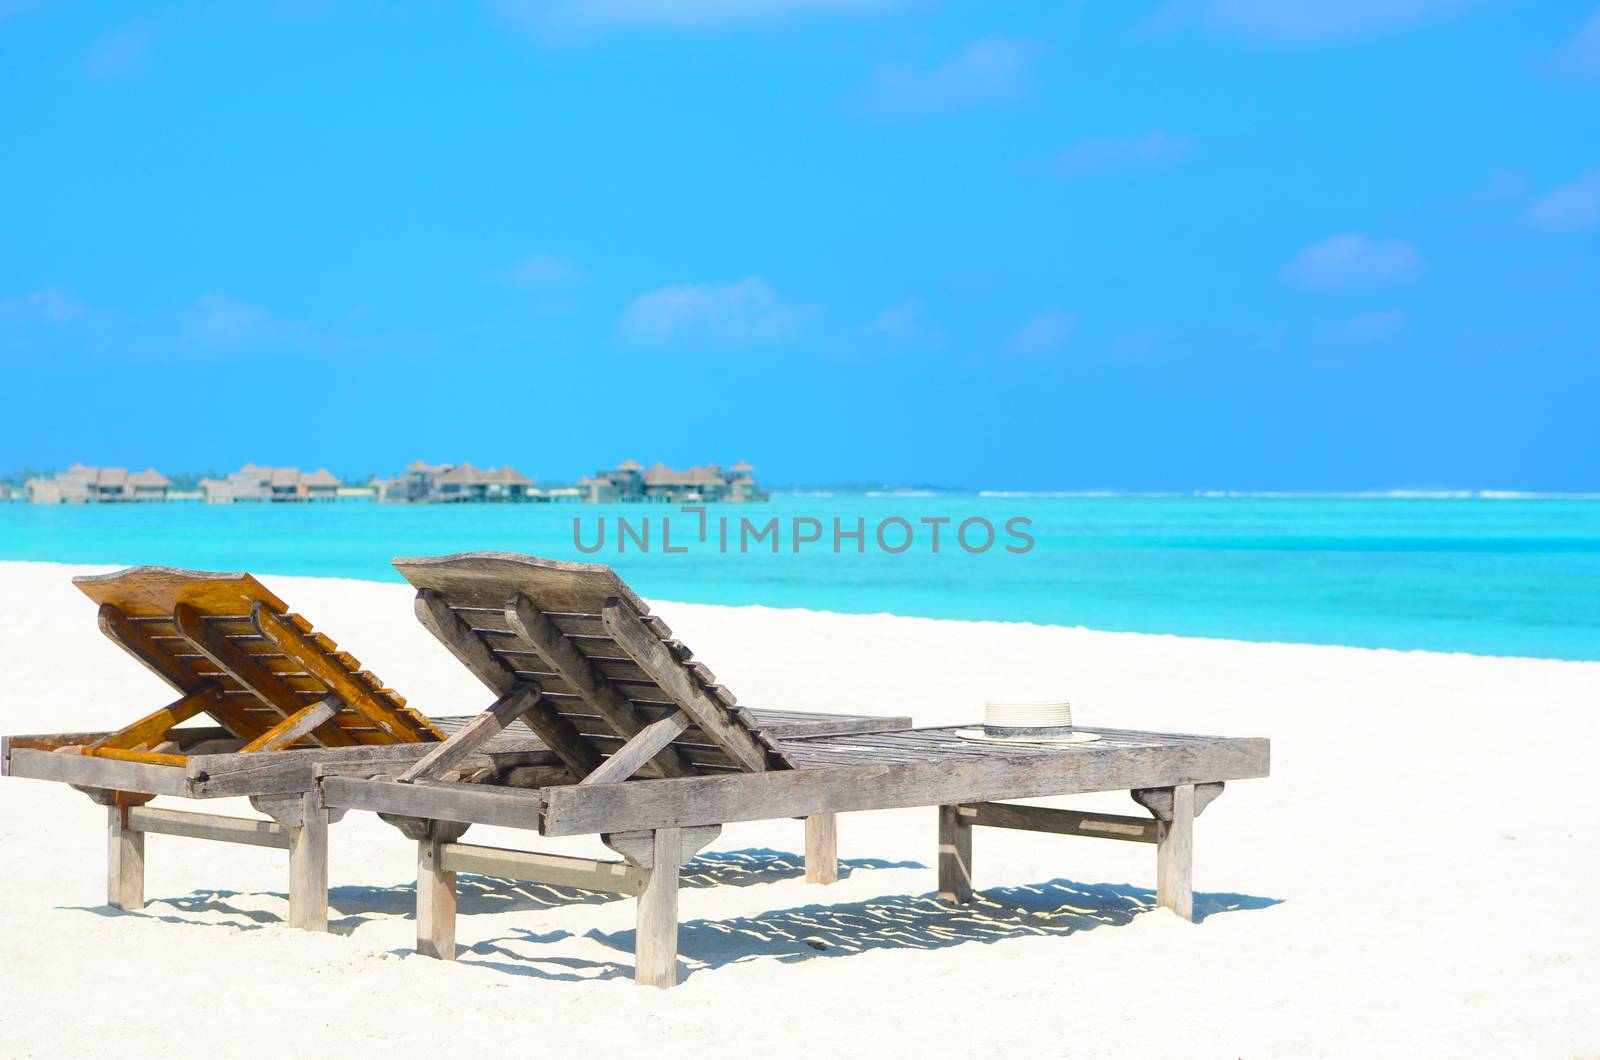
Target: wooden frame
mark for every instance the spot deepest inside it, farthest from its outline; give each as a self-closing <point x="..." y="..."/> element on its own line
<point x="283" y="785"/>
<point x="1174" y="776"/>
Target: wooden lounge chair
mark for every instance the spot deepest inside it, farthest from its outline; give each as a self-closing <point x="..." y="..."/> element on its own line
<point x="284" y="700"/>
<point x="282" y="697"/>
<point x="648" y="751"/>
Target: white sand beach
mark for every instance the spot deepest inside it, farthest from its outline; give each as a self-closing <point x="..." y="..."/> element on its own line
<point x="1416" y="877"/>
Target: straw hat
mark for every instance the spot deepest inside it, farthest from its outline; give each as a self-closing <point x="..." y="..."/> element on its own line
<point x="1036" y="721"/>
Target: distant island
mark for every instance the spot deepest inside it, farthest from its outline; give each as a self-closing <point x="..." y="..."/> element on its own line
<point x="420" y="483"/>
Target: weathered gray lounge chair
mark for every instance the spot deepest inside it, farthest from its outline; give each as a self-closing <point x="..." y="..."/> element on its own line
<point x="649" y="752"/>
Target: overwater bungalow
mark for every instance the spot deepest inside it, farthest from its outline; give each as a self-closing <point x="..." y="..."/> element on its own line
<point x="707" y="483"/>
<point x="98" y="485"/>
<point x="425" y="483"/>
<point x="255" y="483"/>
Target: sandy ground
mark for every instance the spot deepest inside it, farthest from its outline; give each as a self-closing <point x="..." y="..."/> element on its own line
<point x="1417" y="876"/>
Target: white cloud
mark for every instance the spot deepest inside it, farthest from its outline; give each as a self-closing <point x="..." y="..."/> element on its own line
<point x="986" y="72"/>
<point x="217" y="323"/>
<point x="544" y="269"/>
<point x="1146" y="344"/>
<point x="1042" y="333"/>
<point x="1311" y="20"/>
<point x="566" y="17"/>
<point x="118" y="54"/>
<point x="1352" y="262"/>
<point x="906" y="324"/>
<point x="745" y="313"/>
<point x="1120" y="154"/>
<point x="1366" y="328"/>
<point x="13" y="8"/>
<point x="52" y="304"/>
<point x="1580" y="56"/>
<point x="1499" y="187"/>
<point x="1570" y="208"/>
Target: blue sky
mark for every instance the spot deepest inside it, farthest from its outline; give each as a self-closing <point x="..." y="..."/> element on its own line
<point x="1247" y="244"/>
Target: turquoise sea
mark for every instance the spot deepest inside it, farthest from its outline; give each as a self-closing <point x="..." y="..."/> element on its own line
<point x="1502" y="577"/>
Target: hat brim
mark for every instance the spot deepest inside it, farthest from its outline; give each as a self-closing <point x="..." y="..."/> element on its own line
<point x="979" y="736"/>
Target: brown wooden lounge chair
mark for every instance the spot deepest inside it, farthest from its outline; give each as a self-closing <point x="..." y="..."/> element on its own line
<point x="648" y="751"/>
<point x="279" y="693"/>
<point x="284" y="699"/>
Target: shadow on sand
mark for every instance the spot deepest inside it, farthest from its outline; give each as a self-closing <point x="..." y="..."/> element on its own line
<point x="1056" y="908"/>
<point x="350" y="907"/>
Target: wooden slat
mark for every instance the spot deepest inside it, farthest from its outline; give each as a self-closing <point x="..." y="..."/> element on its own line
<point x="238" y="665"/>
<point x="153" y="727"/>
<point x="155" y="655"/>
<point x="153" y="591"/>
<point x="704" y="755"/>
<point x="784" y="724"/>
<point x="291" y="769"/>
<point x="159" y="659"/>
<point x="486" y="579"/>
<point x="643" y="804"/>
<point x="787" y="724"/>
<point x="293" y="727"/>
<point x="616" y="668"/>
<point x="433" y="611"/>
<point x="637" y="752"/>
<point x="595" y="689"/>
<point x="710" y="715"/>
<point x="577" y="753"/>
<point x="474" y="735"/>
<point x="336" y="672"/>
<point x="467" y="803"/>
<point x="146" y="757"/>
<point x="93" y="772"/>
<point x="1059" y="822"/>
<point x="611" y="877"/>
<point x="44" y="741"/>
<point x="208" y="826"/>
<point x="570" y="623"/>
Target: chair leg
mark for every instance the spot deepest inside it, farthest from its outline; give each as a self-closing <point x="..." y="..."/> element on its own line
<point x="436" y="903"/>
<point x="655" y="950"/>
<point x="822" y="848"/>
<point x="308" y="867"/>
<point x="124" y="863"/>
<point x="955" y="855"/>
<point x="1175" y="855"/>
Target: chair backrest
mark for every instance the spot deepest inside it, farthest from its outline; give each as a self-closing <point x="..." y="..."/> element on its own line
<point x="199" y="630"/>
<point x="604" y="668"/>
